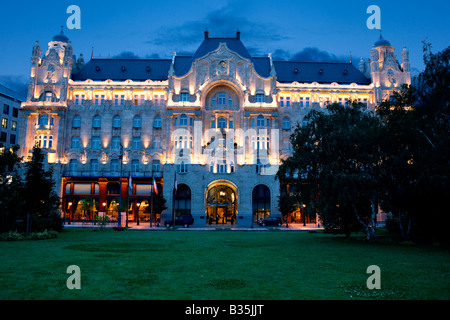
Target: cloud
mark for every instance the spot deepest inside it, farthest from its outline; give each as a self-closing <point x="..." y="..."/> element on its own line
<point x="223" y="22"/>
<point x="19" y="84"/>
<point x="308" y="54"/>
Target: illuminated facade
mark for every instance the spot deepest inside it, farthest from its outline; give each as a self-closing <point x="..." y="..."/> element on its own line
<point x="221" y="119"/>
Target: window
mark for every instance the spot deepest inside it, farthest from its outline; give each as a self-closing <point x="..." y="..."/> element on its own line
<point x="307" y="102"/>
<point x="230" y="101"/>
<point x="99" y="99"/>
<point x="214" y="101"/>
<point x="95" y="143"/>
<point x="97" y="122"/>
<point x="50" y="142"/>
<point x="75" y="142"/>
<point x="222" y="123"/>
<point x="12" y="139"/>
<point x="136" y="143"/>
<point x="3" y="137"/>
<point x="6" y="109"/>
<point x="139" y="99"/>
<point x="115" y="143"/>
<point x="182" y="200"/>
<point x="261" y="203"/>
<point x="43" y="120"/>
<point x="114" y="166"/>
<point x="4" y="123"/>
<point x="119" y="99"/>
<point x="183" y="120"/>
<point x="73" y="165"/>
<point x="221" y="167"/>
<point x="14" y="125"/>
<point x="76" y="123"/>
<point x="184" y="97"/>
<point x="135" y="165"/>
<point x="79" y="99"/>
<point x="260" y="121"/>
<point x="48" y="96"/>
<point x="182" y="167"/>
<point x="191" y="122"/>
<point x="137" y="122"/>
<point x="288" y="101"/>
<point x="222" y="98"/>
<point x="259" y="98"/>
<point x="305" y="122"/>
<point x="15" y="112"/>
<point x="156" y="166"/>
<point x="281" y="101"/>
<point x="157" y="122"/>
<point x="253" y="122"/>
<point x="157" y="143"/>
<point x="94" y="165"/>
<point x="301" y="102"/>
<point x="286" y="124"/>
<point x="116" y="122"/>
<point x="213" y="124"/>
<point x="268" y="122"/>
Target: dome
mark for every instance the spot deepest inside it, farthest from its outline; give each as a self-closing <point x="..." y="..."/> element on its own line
<point x="382" y="42"/>
<point x="61" y="37"/>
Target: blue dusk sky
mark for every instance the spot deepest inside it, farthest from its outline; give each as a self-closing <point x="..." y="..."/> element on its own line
<point x="289" y="30"/>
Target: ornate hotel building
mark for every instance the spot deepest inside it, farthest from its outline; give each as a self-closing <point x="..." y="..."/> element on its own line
<point x="219" y="120"/>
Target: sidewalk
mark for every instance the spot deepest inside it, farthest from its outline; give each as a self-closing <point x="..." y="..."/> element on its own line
<point x="215" y="227"/>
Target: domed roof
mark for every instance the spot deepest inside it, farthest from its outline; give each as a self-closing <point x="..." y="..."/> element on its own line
<point x="382" y="42"/>
<point x="61" y="37"/>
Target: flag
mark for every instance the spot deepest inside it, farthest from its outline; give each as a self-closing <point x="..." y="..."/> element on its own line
<point x="155" y="187"/>
<point x="130" y="183"/>
<point x="175" y="185"/>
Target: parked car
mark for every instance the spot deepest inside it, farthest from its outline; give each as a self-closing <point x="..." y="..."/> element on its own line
<point x="272" y="221"/>
<point x="184" y="221"/>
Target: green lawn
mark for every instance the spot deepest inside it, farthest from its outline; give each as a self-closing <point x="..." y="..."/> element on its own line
<point x="219" y="265"/>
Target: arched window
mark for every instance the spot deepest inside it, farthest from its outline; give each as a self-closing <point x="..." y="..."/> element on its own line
<point x="117" y="122"/>
<point x="43" y="119"/>
<point x="260" y="203"/>
<point x="183" y="120"/>
<point x="260" y="121"/>
<point x="286" y="124"/>
<point x="96" y="122"/>
<point x="182" y="200"/>
<point x="157" y="122"/>
<point x="137" y="122"/>
<point x="76" y="121"/>
<point x="222" y="123"/>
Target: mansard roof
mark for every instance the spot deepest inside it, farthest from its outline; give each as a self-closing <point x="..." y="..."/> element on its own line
<point x="158" y="69"/>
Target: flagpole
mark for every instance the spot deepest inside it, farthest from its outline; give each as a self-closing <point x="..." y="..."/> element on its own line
<point x="128" y="197"/>
<point x="151" y="207"/>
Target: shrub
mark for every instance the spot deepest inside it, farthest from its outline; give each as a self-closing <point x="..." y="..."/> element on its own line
<point x="16" y="236"/>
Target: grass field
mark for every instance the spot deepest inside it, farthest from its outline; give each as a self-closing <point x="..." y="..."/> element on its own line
<point x="219" y="265"/>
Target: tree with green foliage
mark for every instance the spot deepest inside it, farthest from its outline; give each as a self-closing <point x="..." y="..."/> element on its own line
<point x="11" y="186"/>
<point x="41" y="201"/>
<point x="417" y="164"/>
<point x="336" y="159"/>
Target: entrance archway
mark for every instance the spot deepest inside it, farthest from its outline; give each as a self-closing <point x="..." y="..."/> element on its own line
<point x="221" y="204"/>
<point x="261" y="203"/>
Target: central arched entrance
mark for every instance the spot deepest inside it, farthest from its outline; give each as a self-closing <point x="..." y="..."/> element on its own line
<point x="221" y="204"/>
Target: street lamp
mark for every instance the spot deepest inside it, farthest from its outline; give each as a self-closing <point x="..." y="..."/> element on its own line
<point x="137" y="219"/>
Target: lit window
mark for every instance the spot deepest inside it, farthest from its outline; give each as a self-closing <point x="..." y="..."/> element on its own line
<point x="14" y="125"/>
<point x="5" y="123"/>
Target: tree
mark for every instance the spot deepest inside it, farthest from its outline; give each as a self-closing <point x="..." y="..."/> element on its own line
<point x="336" y="160"/>
<point x="11" y="186"/>
<point x="416" y="167"/>
<point x="40" y="198"/>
